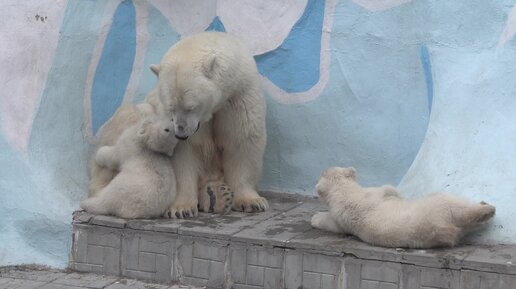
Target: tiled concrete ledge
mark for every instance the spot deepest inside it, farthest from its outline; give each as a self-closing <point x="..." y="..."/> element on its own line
<point x="275" y="249"/>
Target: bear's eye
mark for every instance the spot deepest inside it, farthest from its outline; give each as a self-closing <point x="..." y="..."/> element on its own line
<point x="167" y="130"/>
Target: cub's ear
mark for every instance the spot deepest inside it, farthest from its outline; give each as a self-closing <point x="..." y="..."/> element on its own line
<point x="351" y="172"/>
<point x="155" y="68"/>
<point x="143" y="127"/>
<point x="209" y="65"/>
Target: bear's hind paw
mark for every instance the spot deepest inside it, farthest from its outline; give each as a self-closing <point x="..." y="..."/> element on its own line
<point x="250" y="204"/>
<point x="216" y="199"/>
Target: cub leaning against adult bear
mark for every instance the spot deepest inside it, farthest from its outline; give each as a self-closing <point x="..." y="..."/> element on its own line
<point x="209" y="85"/>
<point x="143" y="187"/>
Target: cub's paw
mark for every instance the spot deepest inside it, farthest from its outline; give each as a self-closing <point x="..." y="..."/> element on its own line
<point x="318" y="220"/>
<point x="250" y="204"/>
<point x="216" y="199"/>
<point x="180" y="210"/>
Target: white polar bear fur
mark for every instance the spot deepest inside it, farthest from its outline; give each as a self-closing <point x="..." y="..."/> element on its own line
<point x="379" y="216"/>
<point x="210" y="86"/>
<point x="145" y="185"/>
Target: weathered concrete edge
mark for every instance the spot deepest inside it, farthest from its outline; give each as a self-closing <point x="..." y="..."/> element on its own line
<point x="421" y="259"/>
<point x="459" y="258"/>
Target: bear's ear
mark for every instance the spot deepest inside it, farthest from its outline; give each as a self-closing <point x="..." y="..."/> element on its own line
<point x="155" y="68"/>
<point x="351" y="172"/>
<point x="143" y="127"/>
<point x="209" y="65"/>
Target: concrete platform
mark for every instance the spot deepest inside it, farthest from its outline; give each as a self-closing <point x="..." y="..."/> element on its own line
<point x="275" y="249"/>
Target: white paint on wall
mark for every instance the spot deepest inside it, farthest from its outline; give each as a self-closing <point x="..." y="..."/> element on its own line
<point x="269" y="21"/>
<point x="30" y="32"/>
<point x="262" y="25"/>
<point x="380" y="5"/>
<point x="187" y="16"/>
<point x="510" y="28"/>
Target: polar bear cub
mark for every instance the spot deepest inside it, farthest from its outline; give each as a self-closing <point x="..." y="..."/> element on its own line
<point x="145" y="185"/>
<point x="378" y="215"/>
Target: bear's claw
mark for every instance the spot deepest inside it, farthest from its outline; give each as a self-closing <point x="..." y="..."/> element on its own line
<point x="181" y="213"/>
<point x="250" y="205"/>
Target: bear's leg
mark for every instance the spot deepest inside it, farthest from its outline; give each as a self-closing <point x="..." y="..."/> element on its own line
<point x="96" y="206"/>
<point x="107" y="157"/>
<point x="242" y="168"/>
<point x="186" y="168"/>
<point x="443" y="236"/>
<point x="473" y="215"/>
<point x="242" y="153"/>
<point x="214" y="195"/>
<point x="100" y="178"/>
<point x="324" y="221"/>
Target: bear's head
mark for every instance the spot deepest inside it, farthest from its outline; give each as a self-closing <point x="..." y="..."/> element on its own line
<point x="189" y="90"/>
<point x="157" y="134"/>
<point x="334" y="178"/>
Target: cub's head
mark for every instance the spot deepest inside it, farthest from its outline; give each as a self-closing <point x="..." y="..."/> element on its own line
<point x="333" y="178"/>
<point x="189" y="91"/>
<point x="157" y="134"/>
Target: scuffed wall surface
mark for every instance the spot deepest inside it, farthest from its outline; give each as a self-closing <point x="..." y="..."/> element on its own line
<point x="416" y="93"/>
<point x="34" y="212"/>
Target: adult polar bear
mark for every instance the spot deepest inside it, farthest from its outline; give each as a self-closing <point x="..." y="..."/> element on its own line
<point x="209" y="85"/>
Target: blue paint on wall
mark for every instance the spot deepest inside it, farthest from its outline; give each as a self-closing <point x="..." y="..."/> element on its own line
<point x="161" y="37"/>
<point x="216" y="25"/>
<point x="294" y="66"/>
<point x="34" y="225"/>
<point x="361" y="119"/>
<point x="115" y="65"/>
<point x="427" y="67"/>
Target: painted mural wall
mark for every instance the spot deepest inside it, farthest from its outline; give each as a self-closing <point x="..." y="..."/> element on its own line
<point x="419" y="94"/>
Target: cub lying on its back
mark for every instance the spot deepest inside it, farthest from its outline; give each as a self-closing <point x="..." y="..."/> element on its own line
<point x="378" y="215"/>
<point x="145" y="185"/>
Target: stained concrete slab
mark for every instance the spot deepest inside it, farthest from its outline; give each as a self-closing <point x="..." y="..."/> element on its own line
<point x="225" y="226"/>
<point x="277" y="249"/>
<point x="281" y="228"/>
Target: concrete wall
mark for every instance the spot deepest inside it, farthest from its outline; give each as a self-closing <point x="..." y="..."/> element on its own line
<point x="419" y="94"/>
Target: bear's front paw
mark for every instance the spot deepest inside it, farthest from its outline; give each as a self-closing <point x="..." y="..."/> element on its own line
<point x="180" y="210"/>
<point x="318" y="219"/>
<point x="250" y="204"/>
<point x="216" y="199"/>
